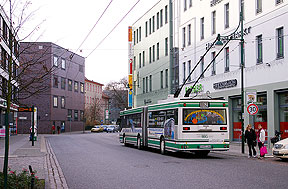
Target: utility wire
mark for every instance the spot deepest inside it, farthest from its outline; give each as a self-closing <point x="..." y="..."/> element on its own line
<point x="112" y="29"/>
<point x="94" y="26"/>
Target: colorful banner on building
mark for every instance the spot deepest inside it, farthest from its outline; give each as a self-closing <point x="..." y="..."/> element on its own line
<point x="130" y="65"/>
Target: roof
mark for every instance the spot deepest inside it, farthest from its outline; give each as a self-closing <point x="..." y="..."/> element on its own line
<point x="94" y="82"/>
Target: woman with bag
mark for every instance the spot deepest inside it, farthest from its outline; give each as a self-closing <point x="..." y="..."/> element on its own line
<point x="261" y="140"/>
<point x="250" y="138"/>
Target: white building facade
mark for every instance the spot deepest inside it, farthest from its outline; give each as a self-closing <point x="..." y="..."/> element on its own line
<point x="265" y="57"/>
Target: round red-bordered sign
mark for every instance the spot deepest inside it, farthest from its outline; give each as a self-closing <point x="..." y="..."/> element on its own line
<point x="252" y="109"/>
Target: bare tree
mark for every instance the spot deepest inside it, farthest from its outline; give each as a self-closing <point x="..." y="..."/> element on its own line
<point x="94" y="112"/>
<point x="26" y="77"/>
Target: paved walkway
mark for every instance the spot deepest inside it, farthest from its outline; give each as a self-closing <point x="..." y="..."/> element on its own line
<point x="42" y="158"/>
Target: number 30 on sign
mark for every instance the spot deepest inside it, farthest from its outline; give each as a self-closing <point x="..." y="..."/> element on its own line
<point x="252" y="109"/>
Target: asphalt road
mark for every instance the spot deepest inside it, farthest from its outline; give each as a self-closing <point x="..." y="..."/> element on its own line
<point x="98" y="160"/>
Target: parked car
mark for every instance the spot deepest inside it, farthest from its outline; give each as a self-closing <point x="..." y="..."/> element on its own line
<point x="97" y="128"/>
<point x="111" y="128"/>
<point x="104" y="127"/>
<point x="280" y="149"/>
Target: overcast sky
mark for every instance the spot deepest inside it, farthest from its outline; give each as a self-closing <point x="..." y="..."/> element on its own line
<point x="67" y="22"/>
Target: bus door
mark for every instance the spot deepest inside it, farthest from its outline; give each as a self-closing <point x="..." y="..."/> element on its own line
<point x="144" y="126"/>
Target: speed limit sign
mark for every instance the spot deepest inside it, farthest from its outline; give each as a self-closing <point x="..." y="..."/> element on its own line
<point x="252" y="109"/>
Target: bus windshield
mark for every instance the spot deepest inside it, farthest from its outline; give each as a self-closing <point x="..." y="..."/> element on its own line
<point x="204" y="117"/>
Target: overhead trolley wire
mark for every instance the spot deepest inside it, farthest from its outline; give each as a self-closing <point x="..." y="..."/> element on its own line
<point x="113" y="29"/>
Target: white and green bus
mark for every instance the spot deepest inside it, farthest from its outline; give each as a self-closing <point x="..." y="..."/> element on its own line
<point x="185" y="124"/>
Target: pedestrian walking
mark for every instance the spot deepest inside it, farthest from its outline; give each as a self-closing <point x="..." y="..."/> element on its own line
<point x="261" y="140"/>
<point x="53" y="129"/>
<point x="58" y="129"/>
<point x="250" y="138"/>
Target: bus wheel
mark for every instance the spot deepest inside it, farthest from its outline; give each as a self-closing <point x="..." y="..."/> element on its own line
<point x="162" y="146"/>
<point x="139" y="143"/>
<point x="201" y="153"/>
<point x="124" y="141"/>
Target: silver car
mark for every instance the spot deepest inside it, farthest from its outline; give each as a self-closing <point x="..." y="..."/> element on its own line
<point x="280" y="149"/>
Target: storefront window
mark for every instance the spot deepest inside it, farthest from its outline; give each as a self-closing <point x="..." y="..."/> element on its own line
<point x="261" y="116"/>
<point x="236" y="118"/>
<point x="283" y="113"/>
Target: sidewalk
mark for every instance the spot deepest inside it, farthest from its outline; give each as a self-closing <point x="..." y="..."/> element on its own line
<point x="40" y="156"/>
<point x="235" y="149"/>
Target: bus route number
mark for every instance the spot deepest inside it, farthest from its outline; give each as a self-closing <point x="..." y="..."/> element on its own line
<point x="252" y="109"/>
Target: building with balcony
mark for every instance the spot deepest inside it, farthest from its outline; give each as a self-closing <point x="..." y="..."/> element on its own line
<point x="265" y="58"/>
<point x="59" y="93"/>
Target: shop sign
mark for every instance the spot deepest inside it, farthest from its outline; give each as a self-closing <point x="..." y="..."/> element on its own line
<point x="147" y="101"/>
<point x="197" y="88"/>
<point x="235" y="35"/>
<point x="215" y="2"/>
<point x="225" y="84"/>
<point x="251" y="97"/>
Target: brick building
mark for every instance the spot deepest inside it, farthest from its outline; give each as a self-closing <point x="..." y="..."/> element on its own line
<point x="62" y="102"/>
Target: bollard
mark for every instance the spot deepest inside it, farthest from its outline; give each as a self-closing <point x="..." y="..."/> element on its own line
<point x="32" y="176"/>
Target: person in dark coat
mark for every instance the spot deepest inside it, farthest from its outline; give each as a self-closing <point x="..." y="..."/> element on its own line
<point x="250" y="138"/>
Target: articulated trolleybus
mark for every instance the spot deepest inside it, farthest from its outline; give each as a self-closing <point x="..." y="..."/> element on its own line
<point x="197" y="125"/>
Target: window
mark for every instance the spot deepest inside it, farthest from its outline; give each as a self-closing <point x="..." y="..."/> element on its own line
<point x="81" y="115"/>
<point x="161" y="79"/>
<point x="134" y="62"/>
<point x="134" y="37"/>
<point x="55" y="101"/>
<point x="55" y="81"/>
<point x="62" y="102"/>
<point x="190" y="3"/>
<point x="150" y="83"/>
<point x="161" y="17"/>
<point x="139" y="34"/>
<point x="226" y="21"/>
<point x="258" y="6"/>
<point x="153" y="53"/>
<point x="143" y="84"/>
<point x="69" y="85"/>
<point x="185" y="5"/>
<point x="202" y="28"/>
<point x="159" y="117"/>
<point x="75" y="115"/>
<point x="158" y="51"/>
<point x="75" y="86"/>
<point x="153" y="23"/>
<point x="226" y="59"/>
<point x="150" y="54"/>
<point x="146" y="28"/>
<point x="140" y="58"/>
<point x="189" y="35"/>
<point x="143" y="56"/>
<point x="183" y="37"/>
<point x="158" y="24"/>
<point x="55" y="61"/>
<point x="259" y="49"/>
<point x="213" y="68"/>
<point x="166" y="14"/>
<point x="166" y="78"/>
<point x="150" y="26"/>
<point x="189" y="70"/>
<point x="82" y="87"/>
<point x="63" y="83"/>
<point x="81" y="68"/>
<point x="280" y="43"/>
<point x="146" y="84"/>
<point x="214" y="117"/>
<point x="69" y="116"/>
<point x="184" y="71"/>
<point x="63" y="63"/>
<point x="166" y="46"/>
<point x="213" y="22"/>
<point x="202" y="68"/>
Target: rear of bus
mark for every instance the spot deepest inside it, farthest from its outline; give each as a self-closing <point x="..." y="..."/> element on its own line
<point x="204" y="126"/>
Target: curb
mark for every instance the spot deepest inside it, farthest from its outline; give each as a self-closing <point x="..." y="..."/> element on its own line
<point x="56" y="177"/>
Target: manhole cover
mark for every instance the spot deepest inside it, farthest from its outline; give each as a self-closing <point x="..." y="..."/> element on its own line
<point x="141" y="166"/>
